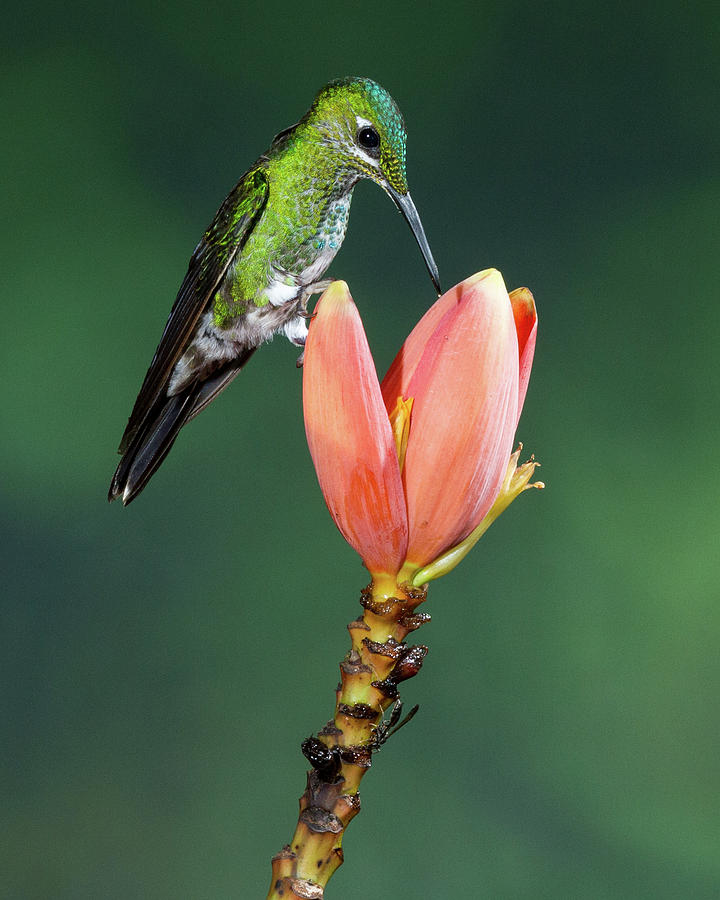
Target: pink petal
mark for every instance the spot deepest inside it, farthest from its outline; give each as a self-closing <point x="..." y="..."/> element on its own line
<point x="525" y="314"/>
<point x="398" y="376"/>
<point x="465" y="386"/>
<point x="349" y="434"/>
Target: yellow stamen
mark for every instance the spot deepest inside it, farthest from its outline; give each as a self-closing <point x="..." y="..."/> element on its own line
<point x="400" y="424"/>
<point x="517" y="479"/>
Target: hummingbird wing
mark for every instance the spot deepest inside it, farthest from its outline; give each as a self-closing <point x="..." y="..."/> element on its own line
<point x="219" y="246"/>
<point x="153" y="440"/>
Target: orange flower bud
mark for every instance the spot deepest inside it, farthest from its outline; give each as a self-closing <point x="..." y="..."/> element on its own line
<point x="448" y="406"/>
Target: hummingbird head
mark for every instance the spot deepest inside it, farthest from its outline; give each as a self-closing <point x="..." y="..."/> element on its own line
<point x="362" y="124"/>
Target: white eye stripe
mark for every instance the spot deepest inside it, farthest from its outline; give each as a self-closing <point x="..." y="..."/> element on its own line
<point x="361" y="154"/>
<point x="362" y="123"/>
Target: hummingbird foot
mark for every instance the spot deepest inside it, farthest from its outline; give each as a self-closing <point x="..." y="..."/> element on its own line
<point x="317" y="287"/>
<point x="296" y="329"/>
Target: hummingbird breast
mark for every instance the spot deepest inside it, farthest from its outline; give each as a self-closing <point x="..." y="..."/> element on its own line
<point x="319" y="251"/>
<point x="265" y="290"/>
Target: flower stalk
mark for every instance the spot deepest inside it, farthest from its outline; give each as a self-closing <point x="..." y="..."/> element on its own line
<point x="379" y="659"/>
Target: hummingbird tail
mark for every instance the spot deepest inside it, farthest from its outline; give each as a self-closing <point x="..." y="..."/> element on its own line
<point x="153" y="440"/>
<point x="149" y="448"/>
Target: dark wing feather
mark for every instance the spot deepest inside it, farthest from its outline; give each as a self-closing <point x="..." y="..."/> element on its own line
<point x="213" y="255"/>
<point x="217" y="382"/>
<point x="156" y="435"/>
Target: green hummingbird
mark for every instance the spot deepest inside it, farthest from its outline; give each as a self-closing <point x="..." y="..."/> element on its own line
<point x="261" y="260"/>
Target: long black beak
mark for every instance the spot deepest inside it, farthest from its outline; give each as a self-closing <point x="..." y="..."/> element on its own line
<point x="407" y="208"/>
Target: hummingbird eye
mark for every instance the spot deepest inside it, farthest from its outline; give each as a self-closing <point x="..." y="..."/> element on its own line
<point x="368" y="138"/>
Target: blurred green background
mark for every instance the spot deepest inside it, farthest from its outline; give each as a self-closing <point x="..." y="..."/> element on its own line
<point x="162" y="663"/>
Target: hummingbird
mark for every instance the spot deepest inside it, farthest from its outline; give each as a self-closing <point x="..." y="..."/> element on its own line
<point x="262" y="258"/>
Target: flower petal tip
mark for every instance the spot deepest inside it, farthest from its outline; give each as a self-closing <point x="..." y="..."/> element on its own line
<point x="493" y="277"/>
<point x="338" y="294"/>
<point x="523" y="301"/>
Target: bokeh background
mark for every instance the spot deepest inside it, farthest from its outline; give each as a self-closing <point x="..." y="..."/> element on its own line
<point x="162" y="663"/>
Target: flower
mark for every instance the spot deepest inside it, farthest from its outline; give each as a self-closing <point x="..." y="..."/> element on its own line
<point x="411" y="468"/>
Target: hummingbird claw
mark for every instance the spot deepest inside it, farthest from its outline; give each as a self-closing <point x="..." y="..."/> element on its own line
<point x="317" y="287"/>
<point x="300" y="360"/>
